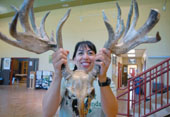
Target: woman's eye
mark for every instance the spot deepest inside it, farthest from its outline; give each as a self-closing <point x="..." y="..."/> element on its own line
<point x="80" y="53"/>
<point x="90" y="53"/>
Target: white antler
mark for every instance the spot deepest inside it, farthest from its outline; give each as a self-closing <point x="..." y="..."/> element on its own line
<point x="35" y="40"/>
<point x="131" y="37"/>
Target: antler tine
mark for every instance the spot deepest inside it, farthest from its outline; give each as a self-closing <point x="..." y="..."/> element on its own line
<point x="12" y="27"/>
<point x="110" y="31"/>
<point x="120" y="24"/>
<point x="23" y="15"/>
<point x="59" y="30"/>
<point x="118" y="18"/>
<point x="42" y="28"/>
<point x="66" y="73"/>
<point x="146" y="39"/>
<point x="150" y="23"/>
<point x="129" y="18"/>
<point x="32" y="19"/>
<point x="14" y="8"/>
<point x="136" y="16"/>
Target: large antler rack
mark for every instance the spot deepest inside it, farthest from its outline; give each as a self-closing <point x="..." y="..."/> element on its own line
<point x="35" y="40"/>
<point x="130" y="37"/>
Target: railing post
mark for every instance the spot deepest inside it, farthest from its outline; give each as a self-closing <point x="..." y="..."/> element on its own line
<point x="128" y="109"/>
<point x="162" y="84"/>
<point x="150" y="88"/>
<point x="168" y="81"/>
<point x="144" y="93"/>
<point x="156" y="89"/>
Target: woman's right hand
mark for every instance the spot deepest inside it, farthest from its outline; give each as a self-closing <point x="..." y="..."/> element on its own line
<point x="58" y="58"/>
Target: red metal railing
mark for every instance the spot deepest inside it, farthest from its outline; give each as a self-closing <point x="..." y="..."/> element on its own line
<point x="148" y="92"/>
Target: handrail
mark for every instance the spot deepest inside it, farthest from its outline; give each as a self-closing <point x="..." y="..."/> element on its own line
<point x="152" y="88"/>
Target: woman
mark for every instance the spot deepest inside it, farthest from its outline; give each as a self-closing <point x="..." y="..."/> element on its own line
<point x="84" y="57"/>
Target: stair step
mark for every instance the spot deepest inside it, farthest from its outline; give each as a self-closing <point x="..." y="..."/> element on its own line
<point x="163" y="112"/>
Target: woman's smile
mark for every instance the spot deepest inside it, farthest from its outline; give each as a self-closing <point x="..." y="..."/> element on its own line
<point x="85" y="64"/>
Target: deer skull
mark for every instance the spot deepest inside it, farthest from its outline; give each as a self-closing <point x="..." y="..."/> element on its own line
<point x="78" y="82"/>
<point x="81" y="86"/>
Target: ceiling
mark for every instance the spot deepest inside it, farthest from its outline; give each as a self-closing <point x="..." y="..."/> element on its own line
<point x="43" y="5"/>
<point x="138" y="53"/>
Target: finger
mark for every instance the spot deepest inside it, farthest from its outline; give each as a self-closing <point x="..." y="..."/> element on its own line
<point x="65" y="52"/>
<point x="103" y="57"/>
<point x="106" y="52"/>
<point x="60" y="63"/>
<point x="56" y="60"/>
<point x="99" y="57"/>
<point x="102" y="67"/>
<point x="60" y="54"/>
<point x="61" y="50"/>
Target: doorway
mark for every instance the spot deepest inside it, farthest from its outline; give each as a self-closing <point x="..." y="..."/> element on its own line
<point x="132" y="71"/>
<point x="19" y="70"/>
<point x="124" y="75"/>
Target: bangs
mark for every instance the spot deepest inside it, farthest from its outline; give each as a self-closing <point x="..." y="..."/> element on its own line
<point x="88" y="45"/>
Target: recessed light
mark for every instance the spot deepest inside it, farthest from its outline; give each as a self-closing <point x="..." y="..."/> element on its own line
<point x="132" y="51"/>
<point x="131" y="55"/>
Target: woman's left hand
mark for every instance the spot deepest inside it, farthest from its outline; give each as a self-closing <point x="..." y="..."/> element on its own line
<point x="104" y="56"/>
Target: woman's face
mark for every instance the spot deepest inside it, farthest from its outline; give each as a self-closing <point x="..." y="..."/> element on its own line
<point x="84" y="58"/>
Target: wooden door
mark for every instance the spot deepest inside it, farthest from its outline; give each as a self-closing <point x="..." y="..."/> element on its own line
<point x="24" y="67"/>
<point x="124" y="75"/>
<point x="119" y="75"/>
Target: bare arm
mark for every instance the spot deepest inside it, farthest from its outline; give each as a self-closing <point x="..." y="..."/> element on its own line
<point x="108" y="100"/>
<point x="52" y="98"/>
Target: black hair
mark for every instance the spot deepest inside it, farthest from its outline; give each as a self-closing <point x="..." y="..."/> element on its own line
<point x="83" y="44"/>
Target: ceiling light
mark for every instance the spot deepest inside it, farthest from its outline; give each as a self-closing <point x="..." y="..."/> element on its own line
<point x="131" y="55"/>
<point x="132" y="51"/>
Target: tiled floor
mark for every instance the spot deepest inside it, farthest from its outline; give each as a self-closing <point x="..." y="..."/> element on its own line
<point x="18" y="101"/>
